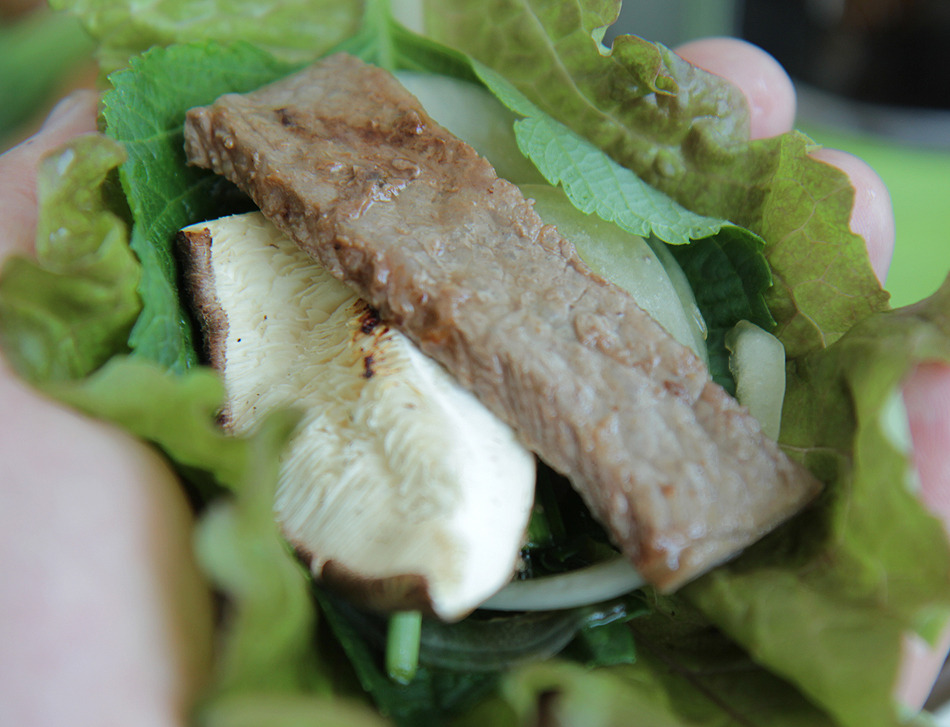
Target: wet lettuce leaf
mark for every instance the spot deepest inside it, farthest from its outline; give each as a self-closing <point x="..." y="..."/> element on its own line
<point x="66" y="312"/>
<point x="684" y="132"/>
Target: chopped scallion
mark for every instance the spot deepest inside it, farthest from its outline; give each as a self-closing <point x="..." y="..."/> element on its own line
<point x="402" y="645"/>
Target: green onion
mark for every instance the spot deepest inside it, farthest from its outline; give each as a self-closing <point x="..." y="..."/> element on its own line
<point x="402" y="645"/>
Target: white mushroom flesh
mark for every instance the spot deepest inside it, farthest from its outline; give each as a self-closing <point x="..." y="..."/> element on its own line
<point x="395" y="470"/>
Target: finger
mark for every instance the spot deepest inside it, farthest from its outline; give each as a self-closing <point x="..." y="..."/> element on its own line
<point x="103" y="601"/>
<point x="872" y="216"/>
<point x="771" y="97"/>
<point x="927" y="399"/>
<point x="74" y="115"/>
<point x="758" y="75"/>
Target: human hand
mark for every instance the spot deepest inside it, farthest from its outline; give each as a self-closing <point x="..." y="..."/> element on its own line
<point x="106" y="619"/>
<point x="926" y="392"/>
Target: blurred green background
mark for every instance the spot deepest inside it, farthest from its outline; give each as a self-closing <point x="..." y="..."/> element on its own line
<point x="42" y="55"/>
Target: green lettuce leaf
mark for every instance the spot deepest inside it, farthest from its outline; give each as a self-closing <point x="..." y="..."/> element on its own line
<point x="687" y="674"/>
<point x="269" y="619"/>
<point x="826" y="601"/>
<point x="177" y="413"/>
<point x="64" y="314"/>
<point x="145" y="111"/>
<point x="594" y="182"/>
<point x="295" y="31"/>
<point x="684" y="132"/>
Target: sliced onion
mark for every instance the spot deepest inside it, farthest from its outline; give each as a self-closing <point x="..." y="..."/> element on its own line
<point x="580" y="587"/>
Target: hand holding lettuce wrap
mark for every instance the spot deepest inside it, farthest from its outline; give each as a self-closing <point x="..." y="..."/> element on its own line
<point x="105" y="615"/>
<point x="927" y="391"/>
<point x="870" y="205"/>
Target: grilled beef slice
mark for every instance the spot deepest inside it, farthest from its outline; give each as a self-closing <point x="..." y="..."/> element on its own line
<point x="347" y="163"/>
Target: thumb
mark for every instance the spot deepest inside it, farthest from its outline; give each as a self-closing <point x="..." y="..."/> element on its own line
<point x="74" y="115"/>
<point x="927" y="398"/>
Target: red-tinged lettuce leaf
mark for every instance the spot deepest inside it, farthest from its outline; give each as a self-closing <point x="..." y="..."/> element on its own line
<point x="685" y="132"/>
<point x="827" y="601"/>
<point x="66" y="312"/>
<point x="294" y="30"/>
<point x="145" y="111"/>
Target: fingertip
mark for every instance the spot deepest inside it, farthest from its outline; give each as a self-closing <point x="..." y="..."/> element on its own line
<point x="927" y="400"/>
<point x="73" y="116"/>
<point x="926" y="395"/>
<point x="763" y="81"/>
<point x="872" y="216"/>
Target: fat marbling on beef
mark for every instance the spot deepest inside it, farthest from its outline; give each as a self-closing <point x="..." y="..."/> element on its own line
<point x="346" y="162"/>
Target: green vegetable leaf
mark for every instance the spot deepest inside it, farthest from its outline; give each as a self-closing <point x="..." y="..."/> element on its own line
<point x="730" y="279"/>
<point x="269" y="618"/>
<point x="870" y="565"/>
<point x="592" y="180"/>
<point x="684" y="132"/>
<point x="146" y="112"/>
<point x="295" y="31"/>
<point x="659" y="691"/>
<point x="66" y="312"/>
<point x="387" y="44"/>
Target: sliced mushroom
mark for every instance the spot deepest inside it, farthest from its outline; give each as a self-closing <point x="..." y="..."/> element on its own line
<point x="399" y="487"/>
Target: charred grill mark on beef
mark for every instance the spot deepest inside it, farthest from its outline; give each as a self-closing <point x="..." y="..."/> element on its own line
<point x="423" y="229"/>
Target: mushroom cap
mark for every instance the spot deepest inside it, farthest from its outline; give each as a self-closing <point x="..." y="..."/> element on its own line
<point x="398" y="487"/>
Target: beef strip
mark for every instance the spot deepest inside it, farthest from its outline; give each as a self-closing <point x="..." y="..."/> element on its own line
<point x="347" y="163"/>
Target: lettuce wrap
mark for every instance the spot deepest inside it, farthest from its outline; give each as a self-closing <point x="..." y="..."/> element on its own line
<point x="804" y="628"/>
